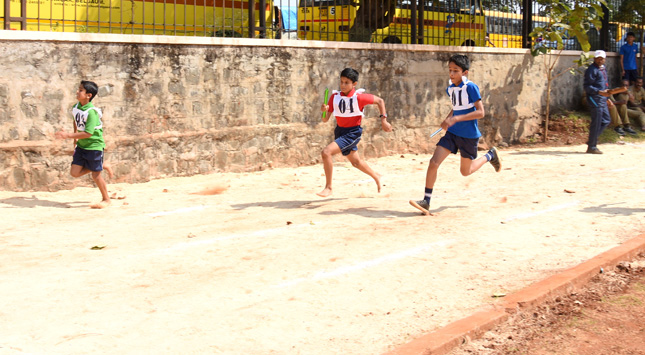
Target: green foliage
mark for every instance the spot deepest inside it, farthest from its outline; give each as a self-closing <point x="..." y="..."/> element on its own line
<point x="566" y="21"/>
<point x="502" y="5"/>
<point x="631" y="12"/>
<point x="582" y="63"/>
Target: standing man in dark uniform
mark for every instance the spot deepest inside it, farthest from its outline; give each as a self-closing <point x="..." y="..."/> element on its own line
<point x="597" y="89"/>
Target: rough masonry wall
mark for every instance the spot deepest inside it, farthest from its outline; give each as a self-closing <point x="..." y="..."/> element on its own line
<point x="239" y="105"/>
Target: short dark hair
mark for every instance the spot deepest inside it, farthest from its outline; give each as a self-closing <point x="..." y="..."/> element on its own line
<point x="461" y="61"/>
<point x="90" y="88"/>
<point x="350" y="74"/>
<point x="630" y="34"/>
<point x="639" y="78"/>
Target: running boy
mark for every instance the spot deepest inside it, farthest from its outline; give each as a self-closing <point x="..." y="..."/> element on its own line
<point x="347" y="106"/>
<point x="462" y="131"/>
<point x="88" y="133"/>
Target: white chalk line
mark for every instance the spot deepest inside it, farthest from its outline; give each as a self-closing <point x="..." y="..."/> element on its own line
<point x="621" y="169"/>
<point x="181" y="210"/>
<point x="533" y="214"/>
<point x="362" y="181"/>
<point x="255" y="234"/>
<point x="343" y="270"/>
<point x="604" y="172"/>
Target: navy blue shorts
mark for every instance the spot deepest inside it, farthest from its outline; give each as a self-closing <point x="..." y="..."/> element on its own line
<point x="347" y="138"/>
<point x="90" y="159"/>
<point x="466" y="146"/>
<point x="631" y="75"/>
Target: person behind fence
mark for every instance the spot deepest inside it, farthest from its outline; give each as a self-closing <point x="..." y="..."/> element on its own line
<point x="621" y="115"/>
<point x="628" y="53"/>
<point x="637" y="98"/>
<point x="597" y="89"/>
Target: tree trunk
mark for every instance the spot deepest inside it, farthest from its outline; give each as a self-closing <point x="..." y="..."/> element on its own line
<point x="549" y="79"/>
<point x="640" y="60"/>
<point x="371" y="16"/>
<point x="548" y="101"/>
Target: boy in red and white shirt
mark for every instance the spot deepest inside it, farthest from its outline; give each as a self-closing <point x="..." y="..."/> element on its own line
<point x="347" y="106"/>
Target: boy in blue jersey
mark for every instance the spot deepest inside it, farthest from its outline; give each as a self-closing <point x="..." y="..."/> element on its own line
<point x="628" y="53"/>
<point x="461" y="128"/>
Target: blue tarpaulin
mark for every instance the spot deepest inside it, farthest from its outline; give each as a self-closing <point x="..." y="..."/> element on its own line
<point x="290" y="16"/>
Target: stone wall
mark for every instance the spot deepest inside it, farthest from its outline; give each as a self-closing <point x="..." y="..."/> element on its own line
<point x="182" y="106"/>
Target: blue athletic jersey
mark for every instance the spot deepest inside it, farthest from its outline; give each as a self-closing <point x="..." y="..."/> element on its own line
<point x="629" y="56"/>
<point x="463" y="98"/>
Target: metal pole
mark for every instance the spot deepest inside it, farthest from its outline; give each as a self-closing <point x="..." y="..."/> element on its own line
<point x="7" y="13"/>
<point x="413" y="22"/>
<point x="251" y="18"/>
<point x="263" y="19"/>
<point x="604" y="31"/>
<point x="23" y="15"/>
<point x="527" y="23"/>
<point x="421" y="20"/>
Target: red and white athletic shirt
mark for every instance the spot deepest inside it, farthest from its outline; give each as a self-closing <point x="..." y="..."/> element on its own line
<point x="348" y="110"/>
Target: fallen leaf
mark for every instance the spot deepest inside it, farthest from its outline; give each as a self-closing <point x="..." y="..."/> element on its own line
<point x="289" y="222"/>
<point x="498" y="294"/>
<point x="569" y="191"/>
<point x="98" y="247"/>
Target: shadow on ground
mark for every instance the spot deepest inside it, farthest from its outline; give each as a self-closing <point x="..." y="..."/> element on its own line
<point x="376" y="213"/>
<point x="31" y="202"/>
<point x="542" y="152"/>
<point x="605" y="208"/>
<point x="308" y="204"/>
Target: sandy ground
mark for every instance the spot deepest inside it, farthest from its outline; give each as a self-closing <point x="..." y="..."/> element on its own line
<point x="268" y="267"/>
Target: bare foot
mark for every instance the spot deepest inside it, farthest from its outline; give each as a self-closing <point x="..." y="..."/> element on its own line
<point x="101" y="204"/>
<point x="108" y="169"/>
<point x="326" y="192"/>
<point x="377" y="178"/>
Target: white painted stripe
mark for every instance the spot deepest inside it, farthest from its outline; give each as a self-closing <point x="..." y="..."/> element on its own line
<point x="181" y="210"/>
<point x="622" y="169"/>
<point x="256" y="234"/>
<point x="604" y="171"/>
<point x="363" y="181"/>
<point x="537" y="213"/>
<point x="343" y="270"/>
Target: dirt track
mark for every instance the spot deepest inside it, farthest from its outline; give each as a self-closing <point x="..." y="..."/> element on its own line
<point x="268" y="267"/>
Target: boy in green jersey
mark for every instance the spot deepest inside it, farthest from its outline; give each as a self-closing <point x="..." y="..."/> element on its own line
<point x="88" y="134"/>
